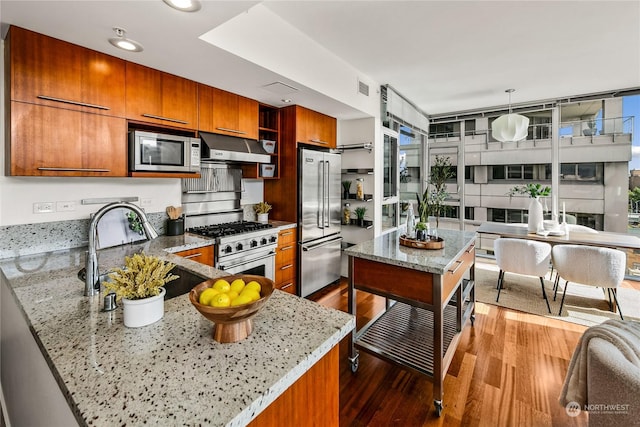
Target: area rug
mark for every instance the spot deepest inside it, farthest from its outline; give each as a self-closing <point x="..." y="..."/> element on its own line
<point x="584" y="305"/>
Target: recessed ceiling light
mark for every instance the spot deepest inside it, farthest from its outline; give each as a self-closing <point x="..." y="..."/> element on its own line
<point x="124" y="43"/>
<point x="184" y="5"/>
<point x="286" y="101"/>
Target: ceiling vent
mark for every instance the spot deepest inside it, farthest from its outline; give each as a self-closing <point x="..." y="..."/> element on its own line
<point x="280" y="88"/>
<point x="363" y="88"/>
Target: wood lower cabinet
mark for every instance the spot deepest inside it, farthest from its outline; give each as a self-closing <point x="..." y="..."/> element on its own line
<point x="47" y="141"/>
<point x="286" y="261"/>
<point x="226" y="113"/>
<point x="313" y="400"/>
<point x="203" y="255"/>
<point x="153" y="96"/>
<point x="46" y="71"/>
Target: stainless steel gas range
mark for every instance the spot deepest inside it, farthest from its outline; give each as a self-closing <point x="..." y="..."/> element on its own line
<point x="212" y="209"/>
<point x="243" y="247"/>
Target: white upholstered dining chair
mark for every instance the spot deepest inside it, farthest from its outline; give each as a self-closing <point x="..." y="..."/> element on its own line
<point x="590" y="265"/>
<point x="522" y="256"/>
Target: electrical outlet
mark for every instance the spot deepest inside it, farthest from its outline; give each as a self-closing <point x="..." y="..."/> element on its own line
<point x="43" y="207"/>
<point x="65" y="206"/>
<point x="145" y="202"/>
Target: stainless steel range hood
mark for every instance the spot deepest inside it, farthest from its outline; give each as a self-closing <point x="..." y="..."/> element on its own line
<point x="232" y="149"/>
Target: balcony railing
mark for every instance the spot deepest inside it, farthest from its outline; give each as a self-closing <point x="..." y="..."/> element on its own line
<point x="577" y="128"/>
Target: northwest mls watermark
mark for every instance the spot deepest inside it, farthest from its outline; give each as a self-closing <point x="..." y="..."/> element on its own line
<point x="573" y="409"/>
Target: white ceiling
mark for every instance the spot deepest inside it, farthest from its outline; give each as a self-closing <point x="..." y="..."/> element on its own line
<point x="444" y="56"/>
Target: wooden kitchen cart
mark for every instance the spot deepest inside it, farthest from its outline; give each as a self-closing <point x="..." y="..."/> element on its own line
<point x="430" y="296"/>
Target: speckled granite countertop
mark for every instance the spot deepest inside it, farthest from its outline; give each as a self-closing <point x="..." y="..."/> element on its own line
<point x="171" y="372"/>
<point x="387" y="249"/>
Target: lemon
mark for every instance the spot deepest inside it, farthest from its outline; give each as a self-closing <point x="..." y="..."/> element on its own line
<point x="222" y="285"/>
<point x="207" y="295"/>
<point x="254" y="295"/>
<point x="240" y="300"/>
<point x="237" y="285"/>
<point x="232" y="294"/>
<point x="220" y="300"/>
<point x="254" y="285"/>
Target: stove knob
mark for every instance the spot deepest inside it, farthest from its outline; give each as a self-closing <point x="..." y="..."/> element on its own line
<point x="263" y="241"/>
<point x="273" y="239"/>
<point x="227" y="249"/>
<point x="239" y="247"/>
<point x="253" y="243"/>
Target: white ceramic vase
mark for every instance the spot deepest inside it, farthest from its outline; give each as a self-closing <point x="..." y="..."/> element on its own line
<point x="143" y="312"/>
<point x="535" y="215"/>
<point x="263" y="217"/>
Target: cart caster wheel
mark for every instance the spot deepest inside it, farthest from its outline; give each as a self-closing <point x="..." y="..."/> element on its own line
<point x="355" y="362"/>
<point x="473" y="319"/>
<point x="438" y="405"/>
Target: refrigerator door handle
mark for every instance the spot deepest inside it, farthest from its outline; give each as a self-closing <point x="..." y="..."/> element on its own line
<point x="320" y="211"/>
<point x="327" y="211"/>
<point x="319" y="245"/>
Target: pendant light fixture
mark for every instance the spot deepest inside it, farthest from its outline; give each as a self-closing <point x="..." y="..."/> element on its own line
<point x="124" y="43"/>
<point x="510" y="127"/>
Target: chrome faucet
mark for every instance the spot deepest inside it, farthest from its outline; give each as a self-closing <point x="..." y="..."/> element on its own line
<point x="92" y="283"/>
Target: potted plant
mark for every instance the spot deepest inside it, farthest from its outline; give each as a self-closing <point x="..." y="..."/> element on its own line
<point x="346" y="186"/>
<point x="360" y="212"/>
<point x="140" y="287"/>
<point x="421" y="231"/>
<point x="432" y="200"/>
<point x="535" y="191"/>
<point x="262" y="210"/>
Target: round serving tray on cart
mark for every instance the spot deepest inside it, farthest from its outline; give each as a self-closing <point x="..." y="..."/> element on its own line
<point x="432" y="242"/>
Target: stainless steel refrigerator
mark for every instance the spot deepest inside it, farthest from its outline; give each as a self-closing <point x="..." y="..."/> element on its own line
<point x="319" y="216"/>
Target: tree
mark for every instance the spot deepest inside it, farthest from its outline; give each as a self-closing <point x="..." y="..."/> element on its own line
<point x="634" y="197"/>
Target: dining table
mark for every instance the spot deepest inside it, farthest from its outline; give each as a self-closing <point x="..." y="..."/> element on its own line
<point x="575" y="237"/>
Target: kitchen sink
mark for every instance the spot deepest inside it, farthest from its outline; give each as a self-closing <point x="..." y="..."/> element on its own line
<point x="175" y="288"/>
<point x="184" y="284"/>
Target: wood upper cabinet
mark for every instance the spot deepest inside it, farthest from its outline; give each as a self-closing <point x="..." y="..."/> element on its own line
<point x="153" y="96"/>
<point x="315" y="128"/>
<point x="203" y="255"/>
<point x="46" y="71"/>
<point x="47" y="141"/>
<point x="227" y="113"/>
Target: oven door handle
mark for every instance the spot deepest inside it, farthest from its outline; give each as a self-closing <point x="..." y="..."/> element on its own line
<point x="235" y="263"/>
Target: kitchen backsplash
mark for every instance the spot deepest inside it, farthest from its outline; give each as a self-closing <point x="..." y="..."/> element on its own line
<point x="28" y="239"/>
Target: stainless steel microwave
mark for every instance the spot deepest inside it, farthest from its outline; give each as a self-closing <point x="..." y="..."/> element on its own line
<point x="155" y="152"/>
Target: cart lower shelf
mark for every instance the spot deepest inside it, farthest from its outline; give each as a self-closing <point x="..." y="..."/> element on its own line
<point x="404" y="335"/>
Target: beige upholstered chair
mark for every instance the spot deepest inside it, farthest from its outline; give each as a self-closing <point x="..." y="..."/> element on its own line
<point x="522" y="256"/>
<point x="581" y="229"/>
<point x="603" y="376"/>
<point x="590" y="265"/>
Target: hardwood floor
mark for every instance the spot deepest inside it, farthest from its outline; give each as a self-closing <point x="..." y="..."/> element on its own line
<point x="508" y="370"/>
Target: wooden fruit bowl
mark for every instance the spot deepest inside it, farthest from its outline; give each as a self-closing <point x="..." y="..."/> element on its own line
<point x="232" y="324"/>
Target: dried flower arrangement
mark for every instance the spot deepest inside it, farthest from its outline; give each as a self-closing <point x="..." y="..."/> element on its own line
<point x="141" y="277"/>
<point x="262" y="208"/>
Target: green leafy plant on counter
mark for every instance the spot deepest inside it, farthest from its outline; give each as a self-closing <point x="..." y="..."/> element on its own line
<point x="533" y="190"/>
<point x="421" y="226"/>
<point x="141" y="277"/>
<point x="134" y="222"/>
<point x="346" y="185"/>
<point x="262" y="208"/>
